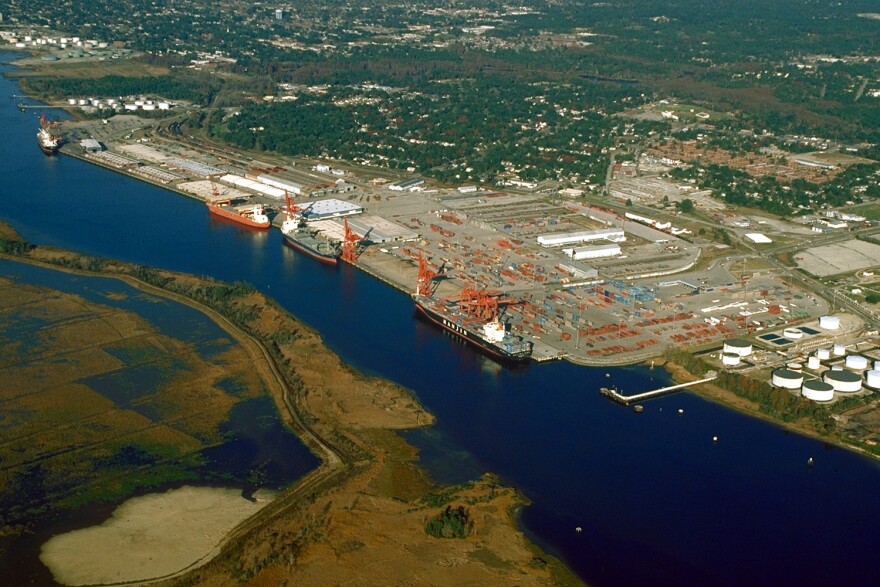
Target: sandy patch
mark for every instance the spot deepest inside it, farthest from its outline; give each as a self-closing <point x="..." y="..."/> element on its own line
<point x="149" y="537"/>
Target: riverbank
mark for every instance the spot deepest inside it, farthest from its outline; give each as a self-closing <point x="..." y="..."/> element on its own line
<point x="368" y="478"/>
<point x="729" y="399"/>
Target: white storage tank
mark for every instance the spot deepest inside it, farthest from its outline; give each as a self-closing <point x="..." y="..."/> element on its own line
<point x="877" y="365"/>
<point x="730" y="359"/>
<point x="71" y="101"/>
<point x="818" y="391"/>
<point x="793" y="333"/>
<point x="823" y="354"/>
<point x="839" y="350"/>
<point x="873" y="378"/>
<point x="856" y="362"/>
<point x="787" y="379"/>
<point x="164" y="105"/>
<point x="795" y="366"/>
<point x="829" y="322"/>
<point x="813" y="362"/>
<point x="844" y="381"/>
<point x="741" y="347"/>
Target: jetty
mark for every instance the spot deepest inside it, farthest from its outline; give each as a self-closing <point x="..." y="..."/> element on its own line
<point x="614" y="395"/>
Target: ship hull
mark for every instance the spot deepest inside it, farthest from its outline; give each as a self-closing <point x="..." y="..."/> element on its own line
<point x="470" y="337"/>
<point x="48" y="150"/>
<point x="325" y="258"/>
<point x="218" y="211"/>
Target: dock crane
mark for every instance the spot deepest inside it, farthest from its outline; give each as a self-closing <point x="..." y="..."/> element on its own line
<point x="350" y="245"/>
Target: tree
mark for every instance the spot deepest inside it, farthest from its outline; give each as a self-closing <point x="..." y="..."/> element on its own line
<point x="686" y="205"/>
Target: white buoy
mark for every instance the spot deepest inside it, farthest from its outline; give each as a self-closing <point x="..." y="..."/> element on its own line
<point x="714" y="439"/>
<point x="578" y="529"/>
<point x="680" y="411"/>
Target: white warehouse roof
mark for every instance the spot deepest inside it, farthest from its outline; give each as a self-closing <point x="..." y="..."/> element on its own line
<point x="331" y="208"/>
<point x="252" y="185"/>
<point x="281" y="183"/>
<point x="593" y="252"/>
<point x="568" y="238"/>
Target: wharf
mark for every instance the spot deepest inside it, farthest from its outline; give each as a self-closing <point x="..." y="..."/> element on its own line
<point x="615" y="396"/>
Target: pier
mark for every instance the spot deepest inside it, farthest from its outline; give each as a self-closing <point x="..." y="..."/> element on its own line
<point x="614" y="395"/>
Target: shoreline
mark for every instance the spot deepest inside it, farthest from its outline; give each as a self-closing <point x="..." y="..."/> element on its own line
<point x="718" y="395"/>
<point x="345" y="458"/>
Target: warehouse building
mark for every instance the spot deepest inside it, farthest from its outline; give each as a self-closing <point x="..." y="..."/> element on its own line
<point x="331" y="208"/>
<point x="559" y="239"/>
<point x="593" y="251"/>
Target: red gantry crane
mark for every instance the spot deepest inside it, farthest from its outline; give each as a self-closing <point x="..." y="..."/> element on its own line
<point x="350" y="245"/>
<point x="426" y="277"/>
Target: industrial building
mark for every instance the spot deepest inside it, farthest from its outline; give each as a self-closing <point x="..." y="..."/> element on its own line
<point x="406" y="184"/>
<point x="571" y="238"/>
<point x="280" y="182"/>
<point x="254" y="186"/>
<point x="91" y="146"/>
<point x="593" y="251"/>
<point x="380" y="230"/>
<point x="331" y="208"/>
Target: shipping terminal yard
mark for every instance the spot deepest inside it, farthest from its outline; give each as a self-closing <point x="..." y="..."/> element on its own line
<point x="584" y="281"/>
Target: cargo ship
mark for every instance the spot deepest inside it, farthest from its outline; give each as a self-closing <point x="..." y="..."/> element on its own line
<point x="492" y="337"/>
<point x="299" y="236"/>
<point x="48" y="142"/>
<point x="251" y="215"/>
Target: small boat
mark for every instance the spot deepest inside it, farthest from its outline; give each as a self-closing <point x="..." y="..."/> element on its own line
<point x="638" y="408"/>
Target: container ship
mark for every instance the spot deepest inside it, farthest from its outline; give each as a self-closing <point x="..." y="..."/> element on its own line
<point x="306" y="240"/>
<point x="48" y="142"/>
<point x="491" y="337"/>
<point x="251" y="215"/>
<point x="472" y="316"/>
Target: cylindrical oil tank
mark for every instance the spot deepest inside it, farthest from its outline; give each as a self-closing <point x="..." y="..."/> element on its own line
<point x="813" y="362"/>
<point x="839" y="350"/>
<point x="787" y="379"/>
<point x="818" y="391"/>
<point x="793" y="333"/>
<point x="829" y="322"/>
<point x="877" y="365"/>
<point x="856" y="362"/>
<point x="873" y="378"/>
<point x="844" y="381"/>
<point x="730" y="359"/>
<point x="795" y="366"/>
<point x="823" y="354"/>
<point x="739" y="346"/>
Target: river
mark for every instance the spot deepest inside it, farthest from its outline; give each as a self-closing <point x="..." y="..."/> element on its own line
<point x="657" y="500"/>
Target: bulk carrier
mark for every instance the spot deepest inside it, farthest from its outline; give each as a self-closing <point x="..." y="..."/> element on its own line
<point x="306" y="240"/>
<point x="251" y="215"/>
<point x="48" y="142"/>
